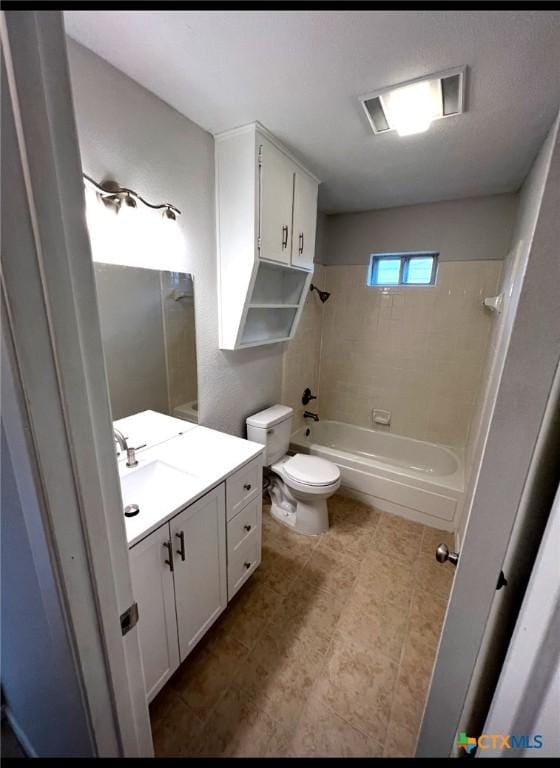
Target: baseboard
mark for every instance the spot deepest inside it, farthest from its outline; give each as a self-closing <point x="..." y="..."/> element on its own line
<point x="19" y="734"/>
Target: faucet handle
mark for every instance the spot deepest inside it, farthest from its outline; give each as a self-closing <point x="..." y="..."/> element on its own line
<point x="307" y="396"/>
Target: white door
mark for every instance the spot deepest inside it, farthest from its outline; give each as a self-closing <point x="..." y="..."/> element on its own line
<point x="198" y="537"/>
<point x="305" y="221"/>
<point x="276" y="200"/>
<point x="519" y="415"/>
<point x="152" y="585"/>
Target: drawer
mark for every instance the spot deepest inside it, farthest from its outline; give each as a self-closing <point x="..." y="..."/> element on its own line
<point x="243" y="524"/>
<point x="243" y="562"/>
<point x="243" y="485"/>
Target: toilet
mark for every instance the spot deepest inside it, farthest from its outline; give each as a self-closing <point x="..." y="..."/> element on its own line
<point x="300" y="484"/>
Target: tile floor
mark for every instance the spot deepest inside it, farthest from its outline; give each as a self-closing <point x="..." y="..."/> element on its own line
<point x="326" y="651"/>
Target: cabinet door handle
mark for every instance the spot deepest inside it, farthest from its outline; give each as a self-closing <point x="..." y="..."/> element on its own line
<point x="167" y="545"/>
<point x="301" y="243"/>
<point x="181" y="550"/>
<point x="284" y="236"/>
<point x="247" y="486"/>
<point x="247" y="527"/>
<point x="247" y="565"/>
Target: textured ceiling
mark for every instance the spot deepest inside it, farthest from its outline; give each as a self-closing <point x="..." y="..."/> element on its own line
<point x="300" y="74"/>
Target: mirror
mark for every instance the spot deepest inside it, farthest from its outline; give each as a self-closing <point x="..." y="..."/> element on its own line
<point x="148" y="333"/>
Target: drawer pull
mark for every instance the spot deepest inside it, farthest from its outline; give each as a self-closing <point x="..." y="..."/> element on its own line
<point x="181" y="550"/>
<point x="247" y="565"/>
<point x="167" y="545"/>
<point x="247" y="527"/>
<point x="247" y="486"/>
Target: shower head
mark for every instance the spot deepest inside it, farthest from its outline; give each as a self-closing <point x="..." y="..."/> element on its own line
<point x="323" y="295"/>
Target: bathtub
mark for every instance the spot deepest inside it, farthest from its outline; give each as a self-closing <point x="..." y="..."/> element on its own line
<point x="412" y="478"/>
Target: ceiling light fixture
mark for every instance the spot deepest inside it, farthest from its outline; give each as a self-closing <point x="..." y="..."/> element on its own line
<point x="411" y="107"/>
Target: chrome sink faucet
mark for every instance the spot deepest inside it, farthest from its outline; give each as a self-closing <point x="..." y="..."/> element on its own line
<point x="310" y="415"/>
<point x="131" y="460"/>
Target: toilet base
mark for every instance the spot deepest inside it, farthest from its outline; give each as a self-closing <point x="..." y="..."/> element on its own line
<point x="308" y="515"/>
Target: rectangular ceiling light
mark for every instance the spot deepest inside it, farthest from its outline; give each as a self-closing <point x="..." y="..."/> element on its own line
<point x="412" y="106"/>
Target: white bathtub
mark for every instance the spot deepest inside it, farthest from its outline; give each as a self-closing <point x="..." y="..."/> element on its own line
<point x="418" y="480"/>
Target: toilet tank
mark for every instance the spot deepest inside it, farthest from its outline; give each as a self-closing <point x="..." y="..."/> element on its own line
<point x="272" y="428"/>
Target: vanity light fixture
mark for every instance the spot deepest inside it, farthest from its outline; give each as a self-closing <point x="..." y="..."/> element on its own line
<point x="411" y="107"/>
<point x="114" y="196"/>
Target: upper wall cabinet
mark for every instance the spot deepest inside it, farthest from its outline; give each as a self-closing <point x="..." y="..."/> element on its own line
<point x="266" y="221"/>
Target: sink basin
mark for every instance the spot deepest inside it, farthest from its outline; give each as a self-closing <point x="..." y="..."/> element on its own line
<point x="156" y="488"/>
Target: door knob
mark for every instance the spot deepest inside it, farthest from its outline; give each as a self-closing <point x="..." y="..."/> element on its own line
<point x="443" y="554"/>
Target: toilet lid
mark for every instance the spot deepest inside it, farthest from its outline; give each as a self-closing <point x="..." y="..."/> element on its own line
<point x="311" y="470"/>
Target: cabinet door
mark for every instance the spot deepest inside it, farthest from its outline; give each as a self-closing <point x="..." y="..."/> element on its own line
<point x="276" y="200"/>
<point x="305" y="221"/>
<point x="198" y="535"/>
<point x="152" y="586"/>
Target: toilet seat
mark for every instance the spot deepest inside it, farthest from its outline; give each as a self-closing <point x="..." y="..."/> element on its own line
<point x="311" y="470"/>
<point x="324" y="474"/>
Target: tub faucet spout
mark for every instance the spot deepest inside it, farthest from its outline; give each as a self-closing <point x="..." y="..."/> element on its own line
<point x="310" y="415"/>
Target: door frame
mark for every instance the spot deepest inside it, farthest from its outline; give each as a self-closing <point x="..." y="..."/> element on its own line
<point x="518" y="415"/>
<point x="59" y="366"/>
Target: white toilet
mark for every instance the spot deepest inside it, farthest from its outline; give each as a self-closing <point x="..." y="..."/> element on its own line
<point x="300" y="484"/>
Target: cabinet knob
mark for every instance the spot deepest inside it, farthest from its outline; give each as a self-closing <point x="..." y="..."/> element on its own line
<point x="300" y="243"/>
<point x="247" y="486"/>
<point x="247" y="527"/>
<point x="247" y="565"/>
<point x="284" y="236"/>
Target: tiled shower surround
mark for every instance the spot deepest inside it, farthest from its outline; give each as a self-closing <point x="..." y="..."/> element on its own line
<point x="418" y="352"/>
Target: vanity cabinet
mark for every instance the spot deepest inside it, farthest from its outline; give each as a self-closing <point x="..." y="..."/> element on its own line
<point x="185" y="571"/>
<point x="266" y="225"/>
<point x="152" y="583"/>
<point x="198" y="536"/>
<point x="180" y="584"/>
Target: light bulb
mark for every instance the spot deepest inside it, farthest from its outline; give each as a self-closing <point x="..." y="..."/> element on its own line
<point x="412" y="108"/>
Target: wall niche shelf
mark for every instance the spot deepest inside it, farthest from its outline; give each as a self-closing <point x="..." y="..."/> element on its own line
<point x="266" y="222"/>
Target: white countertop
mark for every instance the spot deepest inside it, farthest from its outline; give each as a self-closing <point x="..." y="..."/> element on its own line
<point x="206" y="456"/>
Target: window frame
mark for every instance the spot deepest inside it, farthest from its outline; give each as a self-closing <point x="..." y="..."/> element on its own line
<point x="404" y="257"/>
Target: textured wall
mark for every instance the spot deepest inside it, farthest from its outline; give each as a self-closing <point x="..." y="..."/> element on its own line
<point x="128" y="133"/>
<point x="461" y="230"/>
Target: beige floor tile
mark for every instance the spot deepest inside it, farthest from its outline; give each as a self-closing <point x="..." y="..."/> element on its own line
<point x="322" y="733"/>
<point x="207" y="672"/>
<point x="427" y="612"/>
<point x="332" y="571"/>
<point x="247" y="614"/>
<point x="400" y="742"/>
<point x="281" y="539"/>
<point x="347" y="511"/>
<point x="348" y="538"/>
<point x="357" y="684"/>
<point x="239" y="728"/>
<point x="326" y="651"/>
<point x="177" y="733"/>
<point x="279" y="570"/>
<point x="434" y="578"/>
<point x="416" y="668"/>
<point x="162" y="704"/>
<point x="398" y="538"/>
<point x="307" y="613"/>
<point x="386" y="578"/>
<point x="374" y="624"/>
<point x="408" y="707"/>
<point x="279" y="682"/>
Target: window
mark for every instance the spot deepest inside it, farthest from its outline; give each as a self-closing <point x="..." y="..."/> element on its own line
<point x="387" y="269"/>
